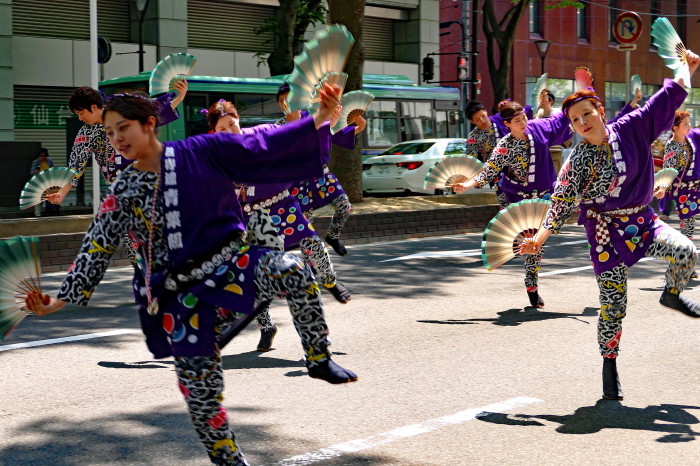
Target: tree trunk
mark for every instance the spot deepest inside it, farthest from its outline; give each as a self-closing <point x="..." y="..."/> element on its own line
<point x="281" y="60"/>
<point x="347" y="164"/>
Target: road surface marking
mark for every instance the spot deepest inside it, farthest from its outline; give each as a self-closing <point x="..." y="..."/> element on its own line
<point x="578" y="269"/>
<point x="53" y="341"/>
<point x="411" y="430"/>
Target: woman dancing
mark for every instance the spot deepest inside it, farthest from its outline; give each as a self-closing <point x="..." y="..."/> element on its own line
<point x="194" y="258"/>
<point x="526" y="170"/>
<point x="610" y="175"/>
<point x="680" y="153"/>
<point x="318" y="192"/>
<point x="286" y="219"/>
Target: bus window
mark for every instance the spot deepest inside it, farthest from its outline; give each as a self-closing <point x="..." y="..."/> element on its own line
<point x="446" y="124"/>
<point x="195" y="121"/>
<point x="382" y="128"/>
<point x="416" y="121"/>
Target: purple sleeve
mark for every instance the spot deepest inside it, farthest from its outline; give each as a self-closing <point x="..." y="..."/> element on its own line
<point x="623" y="111"/>
<point x="345" y="137"/>
<point x="656" y="116"/>
<point x="167" y="113"/>
<point x="287" y="153"/>
<point x="528" y="112"/>
<point x="258" y="128"/>
<point x="554" y="129"/>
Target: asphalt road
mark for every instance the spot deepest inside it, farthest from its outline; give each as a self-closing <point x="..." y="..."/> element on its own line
<point x="453" y="371"/>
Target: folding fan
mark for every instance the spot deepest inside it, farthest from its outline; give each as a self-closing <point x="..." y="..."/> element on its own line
<point x="664" y="178"/>
<point x="43" y="184"/>
<point x="451" y="170"/>
<point x="354" y="104"/>
<point x="333" y="79"/>
<point x="635" y="83"/>
<point x="540" y="86"/>
<point x="671" y="48"/>
<point x="169" y="70"/>
<point x="326" y="53"/>
<point x="19" y="276"/>
<point x="516" y="224"/>
<point x="583" y="77"/>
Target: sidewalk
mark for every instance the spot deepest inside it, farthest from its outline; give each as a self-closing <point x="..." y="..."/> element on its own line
<point x="374" y="219"/>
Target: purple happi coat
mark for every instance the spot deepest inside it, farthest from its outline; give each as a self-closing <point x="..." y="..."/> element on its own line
<point x="630" y="139"/>
<point x="686" y="187"/>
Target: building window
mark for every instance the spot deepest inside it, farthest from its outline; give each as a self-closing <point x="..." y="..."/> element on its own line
<point x="582" y="23"/>
<point x="613" y="11"/>
<point x="681" y="20"/>
<point x="536" y="17"/>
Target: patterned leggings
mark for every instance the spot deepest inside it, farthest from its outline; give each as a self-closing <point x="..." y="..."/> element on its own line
<point x="670" y="245"/>
<point x="688" y="227"/>
<point x="533" y="263"/>
<point x="201" y="377"/>
<point x="341" y="213"/>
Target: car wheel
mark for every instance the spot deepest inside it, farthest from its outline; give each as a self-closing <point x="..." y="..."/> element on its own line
<point x="439" y="192"/>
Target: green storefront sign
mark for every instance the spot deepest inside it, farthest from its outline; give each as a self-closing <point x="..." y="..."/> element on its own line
<point x="35" y="114"/>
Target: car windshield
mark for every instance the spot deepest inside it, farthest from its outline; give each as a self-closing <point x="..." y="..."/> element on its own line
<point x="408" y="148"/>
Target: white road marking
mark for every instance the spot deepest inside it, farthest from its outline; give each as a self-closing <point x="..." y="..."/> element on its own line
<point x="578" y="269"/>
<point x="53" y="341"/>
<point x="438" y="254"/>
<point x="411" y="430"/>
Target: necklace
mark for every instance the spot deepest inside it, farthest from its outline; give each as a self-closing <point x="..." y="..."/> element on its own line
<point x="152" y="307"/>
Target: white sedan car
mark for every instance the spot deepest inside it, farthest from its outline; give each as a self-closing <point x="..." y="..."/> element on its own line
<point x="402" y="167"/>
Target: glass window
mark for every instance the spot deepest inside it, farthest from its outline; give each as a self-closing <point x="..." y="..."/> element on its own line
<point x="416" y="109"/>
<point x="195" y="121"/>
<point x="410" y="148"/>
<point x="446" y="124"/>
<point x="536" y="17"/>
<point x="456" y="148"/>
<point x="382" y="108"/>
<point x="381" y="132"/>
<point x="582" y="23"/>
<point x="613" y="12"/>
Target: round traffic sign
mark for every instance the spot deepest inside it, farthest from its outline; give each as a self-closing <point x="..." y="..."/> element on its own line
<point x="627" y="27"/>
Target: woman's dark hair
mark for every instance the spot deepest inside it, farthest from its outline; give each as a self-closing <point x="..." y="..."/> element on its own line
<point x="509" y="109"/>
<point x="284" y="88"/>
<point x="680" y="116"/>
<point x="549" y="93"/>
<point x="219" y="109"/>
<point x="578" y="96"/>
<point x="473" y="108"/>
<point x="84" y="98"/>
<point x="132" y="107"/>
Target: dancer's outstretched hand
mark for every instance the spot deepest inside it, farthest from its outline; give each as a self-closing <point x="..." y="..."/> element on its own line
<point x="660" y="193"/>
<point x="693" y="61"/>
<point x="330" y="100"/>
<point x="530" y="247"/>
<point x="43" y="304"/>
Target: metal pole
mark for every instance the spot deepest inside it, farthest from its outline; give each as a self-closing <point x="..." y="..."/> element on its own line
<point x="542" y="67"/>
<point x="466" y="29"/>
<point x="95" y="84"/>
<point x="627" y="73"/>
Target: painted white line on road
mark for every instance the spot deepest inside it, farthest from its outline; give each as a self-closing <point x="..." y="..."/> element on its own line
<point x="578" y="269"/>
<point x="437" y="255"/>
<point x="53" y="341"/>
<point x="411" y="430"/>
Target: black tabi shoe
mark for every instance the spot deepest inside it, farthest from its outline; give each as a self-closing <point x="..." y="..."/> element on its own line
<point x="339" y="292"/>
<point x="535" y="299"/>
<point x="687" y="306"/>
<point x="337" y="247"/>
<point x="611" y="382"/>
<point x="694" y="274"/>
<point x="331" y="372"/>
<point x="266" y="338"/>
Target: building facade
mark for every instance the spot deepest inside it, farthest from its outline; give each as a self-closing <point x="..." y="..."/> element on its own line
<point x="44" y="50"/>
<point x="579" y="37"/>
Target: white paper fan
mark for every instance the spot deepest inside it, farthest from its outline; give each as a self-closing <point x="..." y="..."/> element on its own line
<point x="635" y="83"/>
<point x="540" y="86"/>
<point x="19" y="276"/>
<point x="169" y="70"/>
<point x="452" y="169"/>
<point x="326" y="53"/>
<point x="512" y="226"/>
<point x="43" y="184"/>
<point x="671" y="48"/>
<point x="664" y="178"/>
<point x="354" y="104"/>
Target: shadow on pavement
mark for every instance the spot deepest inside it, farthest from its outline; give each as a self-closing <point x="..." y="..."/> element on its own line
<point x="675" y="420"/>
<point x="164" y="436"/>
<point x="514" y="317"/>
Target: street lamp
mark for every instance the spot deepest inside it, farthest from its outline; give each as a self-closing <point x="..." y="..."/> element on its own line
<point x="543" y="48"/>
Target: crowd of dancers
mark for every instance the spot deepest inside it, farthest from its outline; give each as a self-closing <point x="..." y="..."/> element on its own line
<point x="205" y="259"/>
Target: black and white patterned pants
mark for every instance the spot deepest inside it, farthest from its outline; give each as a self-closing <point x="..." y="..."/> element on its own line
<point x="688" y="227"/>
<point x="201" y="378"/>
<point x="533" y="263"/>
<point x="669" y="245"/>
<point x="341" y="212"/>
